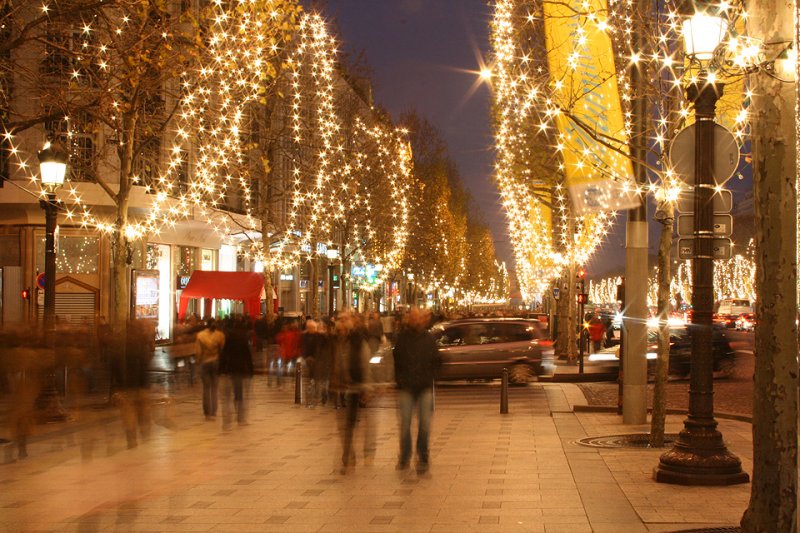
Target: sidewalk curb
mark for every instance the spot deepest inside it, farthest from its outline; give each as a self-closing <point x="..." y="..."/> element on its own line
<point x="591" y="377"/>
<point x="613" y="409"/>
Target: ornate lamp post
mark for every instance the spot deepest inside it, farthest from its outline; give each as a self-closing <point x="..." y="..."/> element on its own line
<point x="53" y="169"/>
<point x="699" y="456"/>
<point x="332" y="254"/>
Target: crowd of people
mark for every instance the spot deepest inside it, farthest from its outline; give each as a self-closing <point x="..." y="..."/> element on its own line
<point x="335" y="355"/>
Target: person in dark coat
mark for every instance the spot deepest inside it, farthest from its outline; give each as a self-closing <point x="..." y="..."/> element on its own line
<point x="236" y="368"/>
<point x="131" y="380"/>
<point x="351" y="379"/>
<point x="416" y="363"/>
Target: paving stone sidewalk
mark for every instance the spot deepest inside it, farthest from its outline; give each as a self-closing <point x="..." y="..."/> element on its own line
<point x="490" y="472"/>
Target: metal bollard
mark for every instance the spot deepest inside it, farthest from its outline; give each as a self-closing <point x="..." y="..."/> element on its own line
<point x="298" y="383"/>
<point x="504" y="393"/>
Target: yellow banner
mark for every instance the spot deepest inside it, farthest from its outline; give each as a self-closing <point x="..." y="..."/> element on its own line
<point x="583" y="81"/>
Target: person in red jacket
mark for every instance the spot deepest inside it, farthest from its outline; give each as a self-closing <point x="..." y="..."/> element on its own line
<point x="288" y="341"/>
<point x="597" y="330"/>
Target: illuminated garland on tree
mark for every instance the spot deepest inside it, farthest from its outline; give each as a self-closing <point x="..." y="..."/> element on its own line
<point x="545" y="235"/>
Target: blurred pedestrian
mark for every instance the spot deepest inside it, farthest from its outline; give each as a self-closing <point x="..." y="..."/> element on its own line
<point x="597" y="331"/>
<point x="416" y="362"/>
<point x="350" y="378"/>
<point x="288" y="341"/>
<point x="609" y="325"/>
<point x="132" y="383"/>
<point x="374" y="331"/>
<point x="208" y="346"/>
<point x="310" y="341"/>
<point x="236" y="370"/>
<point x="323" y="362"/>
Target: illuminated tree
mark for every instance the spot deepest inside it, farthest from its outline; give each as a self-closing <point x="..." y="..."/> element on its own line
<point x="132" y="80"/>
<point x="446" y="233"/>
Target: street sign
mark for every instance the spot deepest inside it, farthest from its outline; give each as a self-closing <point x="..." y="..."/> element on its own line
<point x="40" y="280"/>
<point x="556" y="291"/>
<point x="723" y="225"/>
<point x="722" y="248"/>
<point x="726" y="154"/>
<point x="723" y="201"/>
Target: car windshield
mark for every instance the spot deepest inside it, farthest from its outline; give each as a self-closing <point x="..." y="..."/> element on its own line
<point x="485" y="333"/>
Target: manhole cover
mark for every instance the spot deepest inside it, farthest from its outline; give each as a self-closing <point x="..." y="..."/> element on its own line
<point x="629" y="440"/>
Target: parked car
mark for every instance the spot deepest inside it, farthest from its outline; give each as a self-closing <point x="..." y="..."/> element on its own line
<point x="482" y="348"/>
<point x="680" y="352"/>
<point x="746" y="322"/>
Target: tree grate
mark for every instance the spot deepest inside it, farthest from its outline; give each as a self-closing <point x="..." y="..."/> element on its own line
<point x="629" y="440"/>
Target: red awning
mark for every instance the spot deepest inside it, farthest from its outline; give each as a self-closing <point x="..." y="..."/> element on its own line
<point x="245" y="286"/>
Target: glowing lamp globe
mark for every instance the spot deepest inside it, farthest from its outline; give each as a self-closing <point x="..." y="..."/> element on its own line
<point x="52" y="166"/>
<point x="702" y="34"/>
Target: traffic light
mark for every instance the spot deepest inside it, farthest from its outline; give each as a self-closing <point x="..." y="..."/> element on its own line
<point x="581" y="274"/>
<point x="26" y="294"/>
<point x="583" y="298"/>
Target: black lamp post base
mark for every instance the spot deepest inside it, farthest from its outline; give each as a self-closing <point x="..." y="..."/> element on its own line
<point x="48" y="403"/>
<point x="700" y="458"/>
<point x="49" y="408"/>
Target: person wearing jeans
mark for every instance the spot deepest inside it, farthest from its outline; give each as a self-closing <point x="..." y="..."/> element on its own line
<point x="208" y="345"/>
<point x="416" y="362"/>
<point x="410" y="401"/>
<point x="236" y="368"/>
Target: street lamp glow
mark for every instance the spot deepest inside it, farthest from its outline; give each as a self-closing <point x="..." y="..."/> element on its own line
<point x="52" y="166"/>
<point x="486" y="74"/>
<point x="702" y="34"/>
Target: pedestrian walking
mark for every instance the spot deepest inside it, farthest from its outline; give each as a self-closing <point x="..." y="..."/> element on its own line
<point x="597" y="331"/>
<point x="132" y="385"/>
<point x="208" y="346"/>
<point x="288" y="341"/>
<point x="310" y="342"/>
<point x="323" y="361"/>
<point x="374" y="331"/>
<point x="236" y="370"/>
<point x="416" y="362"/>
<point x="350" y="378"/>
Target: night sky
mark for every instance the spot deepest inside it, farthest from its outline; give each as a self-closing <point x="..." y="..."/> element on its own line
<point x="425" y="55"/>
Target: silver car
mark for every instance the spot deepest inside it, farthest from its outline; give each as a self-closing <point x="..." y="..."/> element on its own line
<point x="481" y="348"/>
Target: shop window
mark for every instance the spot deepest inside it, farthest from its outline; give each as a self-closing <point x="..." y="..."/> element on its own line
<point x="76" y="255"/>
<point x="187" y="262"/>
<point x="77" y="137"/>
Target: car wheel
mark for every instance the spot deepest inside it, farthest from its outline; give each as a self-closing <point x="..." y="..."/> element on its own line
<point x="520" y="374"/>
<point x="726" y="367"/>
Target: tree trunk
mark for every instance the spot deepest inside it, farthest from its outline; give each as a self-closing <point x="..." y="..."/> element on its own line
<point x="773" y="497"/>
<point x="665" y="215"/>
<point x="566" y="332"/>
<point x="120" y="246"/>
<point x="267" y="226"/>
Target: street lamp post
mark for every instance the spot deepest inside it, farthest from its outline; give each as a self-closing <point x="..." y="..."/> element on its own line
<point x="53" y="168"/>
<point x="699" y="456"/>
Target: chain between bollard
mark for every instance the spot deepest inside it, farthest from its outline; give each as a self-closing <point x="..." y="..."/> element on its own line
<point x="504" y="393"/>
<point x="298" y="383"/>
